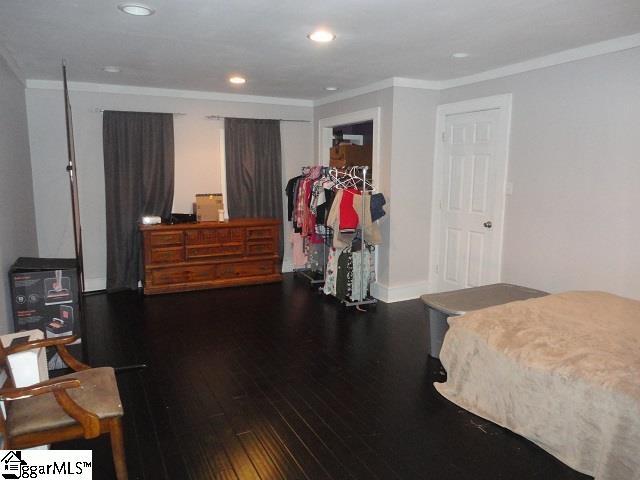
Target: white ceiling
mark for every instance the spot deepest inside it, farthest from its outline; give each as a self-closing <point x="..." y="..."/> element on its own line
<point x="197" y="44"/>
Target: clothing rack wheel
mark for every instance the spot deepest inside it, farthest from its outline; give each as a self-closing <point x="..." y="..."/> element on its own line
<point x="366" y="301"/>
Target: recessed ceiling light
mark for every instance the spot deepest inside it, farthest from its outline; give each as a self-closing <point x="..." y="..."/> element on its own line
<point x="111" y="69"/>
<point x="321" y="36"/>
<point x="460" y="55"/>
<point x="237" y="80"/>
<point x="331" y="89"/>
<point x="136" y="9"/>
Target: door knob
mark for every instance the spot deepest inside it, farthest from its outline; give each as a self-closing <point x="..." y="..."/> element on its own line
<point x="487" y="224"/>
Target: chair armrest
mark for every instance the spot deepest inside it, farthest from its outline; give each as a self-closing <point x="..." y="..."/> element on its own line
<point x="48" y="386"/>
<point x="59" y="343"/>
<point x="45" y="342"/>
<point x="88" y="420"/>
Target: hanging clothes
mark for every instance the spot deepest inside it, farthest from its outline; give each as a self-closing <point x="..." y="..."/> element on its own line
<point x="344" y="277"/>
<point x="377" y="201"/>
<point x="322" y="210"/>
<point x="349" y="274"/>
<point x="349" y="218"/>
<point x="331" y="272"/>
<point x="370" y="229"/>
<point x="361" y="265"/>
<point x="316" y="257"/>
<point x="290" y="190"/>
<point x="298" y="254"/>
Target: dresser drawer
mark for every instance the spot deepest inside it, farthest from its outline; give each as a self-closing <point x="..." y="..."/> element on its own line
<point x="201" y="236"/>
<point x="190" y="274"/>
<point x="260" y="248"/>
<point x="167" y="254"/>
<point x="214" y="251"/>
<point x="230" y="235"/>
<point x="165" y="238"/>
<point x="245" y="269"/>
<point x="205" y="236"/>
<point x="259" y="233"/>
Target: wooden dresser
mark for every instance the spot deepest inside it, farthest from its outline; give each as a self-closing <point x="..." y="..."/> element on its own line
<point x="194" y="256"/>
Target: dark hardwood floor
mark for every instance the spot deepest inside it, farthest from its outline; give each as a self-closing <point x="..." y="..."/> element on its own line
<point x="277" y="381"/>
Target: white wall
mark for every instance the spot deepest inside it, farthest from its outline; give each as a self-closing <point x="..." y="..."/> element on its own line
<point x="197" y="154"/>
<point x="17" y="214"/>
<point x="572" y="221"/>
<point x="414" y="115"/>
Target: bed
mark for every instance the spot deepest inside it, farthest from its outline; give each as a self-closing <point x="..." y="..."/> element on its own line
<point x="562" y="370"/>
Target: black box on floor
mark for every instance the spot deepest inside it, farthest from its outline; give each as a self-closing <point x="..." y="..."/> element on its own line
<point x="45" y="296"/>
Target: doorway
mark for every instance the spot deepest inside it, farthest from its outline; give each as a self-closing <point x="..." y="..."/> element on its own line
<point x="470" y="173"/>
<point x="326" y="128"/>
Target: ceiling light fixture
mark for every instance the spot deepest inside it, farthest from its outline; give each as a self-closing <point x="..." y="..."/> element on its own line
<point x="238" y="80"/>
<point x="111" y="69"/>
<point x="321" y="36"/>
<point x="331" y="89"/>
<point x="136" y="9"/>
<point x="460" y="55"/>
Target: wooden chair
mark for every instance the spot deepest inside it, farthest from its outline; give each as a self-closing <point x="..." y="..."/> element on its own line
<point x="84" y="404"/>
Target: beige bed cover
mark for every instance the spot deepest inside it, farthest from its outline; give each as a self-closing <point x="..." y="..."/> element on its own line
<point x="561" y="370"/>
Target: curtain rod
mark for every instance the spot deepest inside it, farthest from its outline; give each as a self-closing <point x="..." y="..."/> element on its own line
<point x="222" y="117"/>
<point x="102" y="110"/>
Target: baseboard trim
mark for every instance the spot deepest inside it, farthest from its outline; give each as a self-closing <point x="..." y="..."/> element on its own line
<point x="400" y="293"/>
<point x="93" y="284"/>
<point x="287" y="266"/>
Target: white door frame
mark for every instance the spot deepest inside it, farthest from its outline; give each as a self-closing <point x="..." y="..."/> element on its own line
<point x="325" y="133"/>
<point x="503" y="103"/>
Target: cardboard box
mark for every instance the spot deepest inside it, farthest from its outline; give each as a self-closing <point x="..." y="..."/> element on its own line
<point x="208" y="205"/>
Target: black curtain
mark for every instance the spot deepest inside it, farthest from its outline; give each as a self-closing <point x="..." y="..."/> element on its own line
<point x="139" y="177"/>
<point x="254" y="168"/>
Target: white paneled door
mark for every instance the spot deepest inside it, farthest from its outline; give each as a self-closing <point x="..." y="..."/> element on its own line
<point x="473" y="165"/>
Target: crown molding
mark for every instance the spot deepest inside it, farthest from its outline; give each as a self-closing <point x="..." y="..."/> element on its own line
<point x="565" y="56"/>
<point x="416" y="83"/>
<point x="166" y="92"/>
<point x="354" y="92"/>
<point x="374" y="87"/>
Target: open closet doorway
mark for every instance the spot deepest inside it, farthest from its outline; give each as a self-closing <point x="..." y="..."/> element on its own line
<point x="354" y="127"/>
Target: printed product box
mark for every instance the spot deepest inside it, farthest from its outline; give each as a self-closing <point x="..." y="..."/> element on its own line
<point x="44" y="295"/>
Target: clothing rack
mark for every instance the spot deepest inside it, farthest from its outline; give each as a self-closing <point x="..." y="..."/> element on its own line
<point x="351" y="175"/>
<point x="311" y="230"/>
